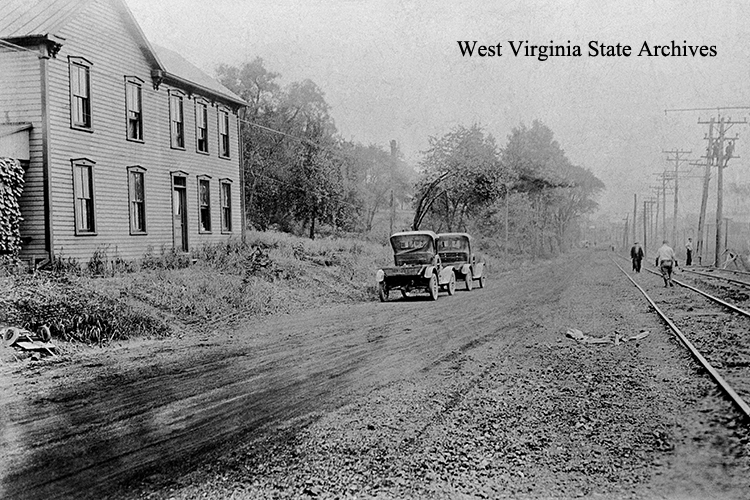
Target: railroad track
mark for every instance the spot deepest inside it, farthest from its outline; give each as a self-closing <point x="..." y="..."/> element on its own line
<point x="716" y="274"/>
<point x="729" y="356"/>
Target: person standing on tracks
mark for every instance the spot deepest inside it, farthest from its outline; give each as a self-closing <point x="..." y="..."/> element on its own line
<point x="636" y="255"/>
<point x="689" y="252"/>
<point x="666" y="260"/>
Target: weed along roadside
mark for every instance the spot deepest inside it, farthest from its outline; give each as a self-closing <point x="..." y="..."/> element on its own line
<point x="167" y="294"/>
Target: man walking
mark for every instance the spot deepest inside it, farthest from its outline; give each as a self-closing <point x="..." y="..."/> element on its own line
<point x="689" y="252"/>
<point x="636" y="255"/>
<point x="665" y="261"/>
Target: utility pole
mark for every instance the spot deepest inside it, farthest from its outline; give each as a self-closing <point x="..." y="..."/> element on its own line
<point x="647" y="216"/>
<point x="704" y="199"/>
<point x="635" y="215"/>
<point x="394" y="154"/>
<point x="676" y="160"/>
<point x="704" y="193"/>
<point x="657" y="192"/>
<point x="721" y="162"/>
<point x="645" y="239"/>
<point x="626" y="232"/>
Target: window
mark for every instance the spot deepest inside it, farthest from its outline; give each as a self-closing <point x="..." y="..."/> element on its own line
<point x="80" y="93"/>
<point x="83" y="189"/>
<point x="224" y="133"/>
<point x="134" y="105"/>
<point x="201" y="126"/>
<point x="226" y="206"/>
<point x="204" y="205"/>
<point x="137" y="195"/>
<point x="176" y="119"/>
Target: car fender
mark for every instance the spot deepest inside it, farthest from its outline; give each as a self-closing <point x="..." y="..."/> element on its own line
<point x="429" y="271"/>
<point x="465" y="269"/>
<point x="445" y="274"/>
<point x="380" y="276"/>
<point x="478" y="269"/>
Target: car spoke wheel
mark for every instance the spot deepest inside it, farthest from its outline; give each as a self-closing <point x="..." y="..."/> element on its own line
<point x="468" y="280"/>
<point x="481" y="282"/>
<point x="434" y="287"/>
<point x="382" y="292"/>
<point x="452" y="285"/>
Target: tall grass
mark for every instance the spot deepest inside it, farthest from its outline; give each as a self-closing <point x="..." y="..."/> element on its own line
<point x="110" y="299"/>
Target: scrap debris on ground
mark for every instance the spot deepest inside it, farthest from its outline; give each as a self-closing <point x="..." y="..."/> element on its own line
<point x="26" y="340"/>
<point x="613" y="338"/>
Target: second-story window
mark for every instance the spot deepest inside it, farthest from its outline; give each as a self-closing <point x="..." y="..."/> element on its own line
<point x="201" y="125"/>
<point x="177" y="129"/>
<point x="134" y="104"/>
<point x="223" y="133"/>
<point x="80" y="93"/>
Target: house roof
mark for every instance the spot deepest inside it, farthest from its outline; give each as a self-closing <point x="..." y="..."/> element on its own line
<point x="180" y="69"/>
<point x="23" y="18"/>
<point x="14" y="128"/>
<point x="29" y="18"/>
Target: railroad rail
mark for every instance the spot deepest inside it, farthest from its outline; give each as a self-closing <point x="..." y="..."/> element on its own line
<point x="723" y="384"/>
<point x="718" y="277"/>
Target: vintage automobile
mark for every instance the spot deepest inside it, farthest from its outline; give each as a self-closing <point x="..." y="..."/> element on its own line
<point x="417" y="266"/>
<point x="455" y="251"/>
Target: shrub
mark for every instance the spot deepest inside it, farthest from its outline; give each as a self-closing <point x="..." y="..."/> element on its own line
<point x="73" y="312"/>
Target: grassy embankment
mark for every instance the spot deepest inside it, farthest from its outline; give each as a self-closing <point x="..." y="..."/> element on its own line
<point x="165" y="293"/>
<point x="109" y="299"/>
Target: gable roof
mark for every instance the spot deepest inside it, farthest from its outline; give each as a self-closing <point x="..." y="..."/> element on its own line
<point x="35" y="18"/>
<point x="179" y="69"/>
<point x="24" y="18"/>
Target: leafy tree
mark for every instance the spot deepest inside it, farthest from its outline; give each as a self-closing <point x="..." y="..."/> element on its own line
<point x="559" y="192"/>
<point x="461" y="173"/>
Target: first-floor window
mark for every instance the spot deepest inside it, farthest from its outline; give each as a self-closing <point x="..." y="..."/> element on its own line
<point x="83" y="188"/>
<point x="137" y="193"/>
<point x="204" y="204"/>
<point x="226" y="206"/>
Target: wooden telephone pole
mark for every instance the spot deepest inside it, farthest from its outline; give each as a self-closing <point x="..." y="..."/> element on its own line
<point x="714" y="146"/>
<point x="394" y="157"/>
<point x="676" y="159"/>
<point x="720" y="156"/>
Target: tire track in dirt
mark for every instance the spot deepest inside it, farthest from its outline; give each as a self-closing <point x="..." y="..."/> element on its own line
<point x="87" y="433"/>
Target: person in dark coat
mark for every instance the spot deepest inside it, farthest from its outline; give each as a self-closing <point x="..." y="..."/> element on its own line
<point x="636" y="255"/>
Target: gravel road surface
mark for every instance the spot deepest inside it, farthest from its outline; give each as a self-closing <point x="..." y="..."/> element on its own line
<point x="479" y="395"/>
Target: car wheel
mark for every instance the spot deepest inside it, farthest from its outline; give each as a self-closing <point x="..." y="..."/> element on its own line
<point x="468" y="280"/>
<point x="481" y="282"/>
<point x="452" y="285"/>
<point x="434" y="287"/>
<point x="382" y="292"/>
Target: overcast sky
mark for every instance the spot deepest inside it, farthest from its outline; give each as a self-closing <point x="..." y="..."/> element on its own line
<point x="392" y="69"/>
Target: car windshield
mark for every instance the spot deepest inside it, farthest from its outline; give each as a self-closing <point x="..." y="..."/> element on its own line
<point x="411" y="243"/>
<point x="452" y="244"/>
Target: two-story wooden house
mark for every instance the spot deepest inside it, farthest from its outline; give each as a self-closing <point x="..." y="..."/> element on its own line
<point x="126" y="146"/>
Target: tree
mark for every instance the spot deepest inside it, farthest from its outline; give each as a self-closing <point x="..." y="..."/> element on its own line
<point x="460" y="174"/>
<point x="559" y="191"/>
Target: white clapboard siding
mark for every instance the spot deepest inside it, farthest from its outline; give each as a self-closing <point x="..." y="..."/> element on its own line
<point x="101" y="35"/>
<point x="20" y="101"/>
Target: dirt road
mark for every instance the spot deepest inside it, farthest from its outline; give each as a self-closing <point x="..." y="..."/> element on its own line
<point x="475" y="395"/>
